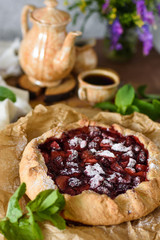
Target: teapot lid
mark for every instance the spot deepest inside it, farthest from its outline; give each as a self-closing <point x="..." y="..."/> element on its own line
<point x="51" y="15"/>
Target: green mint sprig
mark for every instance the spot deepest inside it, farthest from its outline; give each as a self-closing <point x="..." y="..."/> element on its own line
<point x="46" y="206"/>
<point x="127" y="101"/>
<point x="7" y="93"/>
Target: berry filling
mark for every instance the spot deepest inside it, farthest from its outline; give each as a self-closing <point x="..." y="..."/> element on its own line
<point x="97" y="159"/>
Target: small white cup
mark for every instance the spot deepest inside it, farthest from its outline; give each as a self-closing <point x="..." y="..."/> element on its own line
<point x="97" y="93"/>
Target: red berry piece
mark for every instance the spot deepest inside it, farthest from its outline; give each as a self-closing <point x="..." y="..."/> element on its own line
<point x="130" y="171"/>
<point x="55" y="146"/>
<point x="105" y="162"/>
<point x="59" y="162"/>
<point x="62" y="182"/>
<point x="141" y="174"/>
<point x="87" y="154"/>
<point x="136" y="148"/>
<point x="140" y="167"/>
<point x="137" y="180"/>
<point x="46" y="157"/>
<point x="142" y="157"/>
<point x="70" y="191"/>
<point x="55" y="154"/>
<point x="111" y="160"/>
<point x="123" y="164"/>
<point x="117" y="168"/>
<point x="83" y="188"/>
<point x="90" y="160"/>
<point x="125" y="179"/>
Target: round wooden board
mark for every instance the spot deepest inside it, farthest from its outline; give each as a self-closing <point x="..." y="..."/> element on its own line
<point x="61" y="92"/>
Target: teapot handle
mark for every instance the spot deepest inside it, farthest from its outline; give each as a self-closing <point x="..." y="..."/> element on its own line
<point x="24" y="18"/>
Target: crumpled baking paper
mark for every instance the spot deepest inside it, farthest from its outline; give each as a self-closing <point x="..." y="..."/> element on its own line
<point x="9" y="111"/>
<point x="15" y="137"/>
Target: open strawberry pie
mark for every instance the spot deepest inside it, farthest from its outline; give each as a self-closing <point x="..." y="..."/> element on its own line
<point x="108" y="174"/>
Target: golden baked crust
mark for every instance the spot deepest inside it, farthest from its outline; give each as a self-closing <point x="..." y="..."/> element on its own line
<point x="89" y="207"/>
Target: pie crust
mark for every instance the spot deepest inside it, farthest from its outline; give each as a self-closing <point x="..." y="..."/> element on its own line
<point x="90" y="207"/>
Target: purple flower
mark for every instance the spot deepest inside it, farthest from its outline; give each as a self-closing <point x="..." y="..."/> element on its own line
<point x="105" y="5"/>
<point x="147" y="16"/>
<point x="116" y="32"/>
<point x="145" y="36"/>
<point x="158" y="8"/>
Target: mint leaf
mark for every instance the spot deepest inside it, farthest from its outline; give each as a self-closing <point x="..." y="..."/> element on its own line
<point x="39" y="202"/>
<point x="7" y="93"/>
<point x="46" y="206"/>
<point x="23" y="229"/>
<point x="131" y="109"/>
<point x="8" y="230"/>
<point x="156" y="105"/>
<point x="141" y="91"/>
<point x="46" y="199"/>
<point x="55" y="219"/>
<point x="14" y="211"/>
<point x="35" y="229"/>
<point x="124" y="98"/>
<point x="147" y="108"/>
<point x="106" y="105"/>
<point x="58" y="221"/>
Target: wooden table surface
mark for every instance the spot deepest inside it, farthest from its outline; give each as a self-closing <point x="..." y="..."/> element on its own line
<point x="139" y="70"/>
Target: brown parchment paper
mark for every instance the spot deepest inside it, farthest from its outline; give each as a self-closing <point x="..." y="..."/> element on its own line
<point x="15" y="137"/>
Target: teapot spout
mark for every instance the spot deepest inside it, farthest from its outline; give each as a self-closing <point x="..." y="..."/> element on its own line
<point x="65" y="58"/>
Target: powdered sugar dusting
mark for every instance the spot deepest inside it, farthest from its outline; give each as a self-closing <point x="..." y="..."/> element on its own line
<point x="69" y="171"/>
<point x="92" y="144"/>
<point x="73" y="155"/>
<point x="92" y="170"/>
<point x="129" y="153"/>
<point x="120" y="147"/>
<point x="93" y="150"/>
<point x="105" y="153"/>
<point x="131" y="163"/>
<point x="77" y="141"/>
<point x="96" y="181"/>
<point x="112" y="176"/>
<point x="106" y="141"/>
<point x="74" y="182"/>
<point x="130" y="168"/>
<point x="93" y="129"/>
<point x="71" y="164"/>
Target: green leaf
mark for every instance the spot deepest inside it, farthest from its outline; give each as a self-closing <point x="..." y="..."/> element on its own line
<point x="131" y="109"/>
<point x="122" y="110"/>
<point x="60" y="202"/>
<point x="55" y="219"/>
<point x="7" y="93"/>
<point x="34" y="226"/>
<point x="24" y="229"/>
<point x="45" y="200"/>
<point x="141" y="91"/>
<point x="58" y="221"/>
<point x="107" y="105"/>
<point x="14" y="211"/>
<point x="124" y="98"/>
<point x="46" y="206"/>
<point x="156" y="105"/>
<point x="147" y="108"/>
<point x="7" y="229"/>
